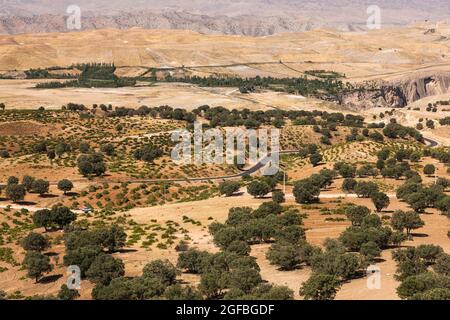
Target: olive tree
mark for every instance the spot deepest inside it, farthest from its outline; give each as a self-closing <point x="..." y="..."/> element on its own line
<point x="65" y="185"/>
<point x="36" y="264"/>
<point x="35" y="242"/>
<point x="410" y="220"/>
<point x="228" y="188"/>
<point x="320" y="287"/>
<point x="380" y="200"/>
<point x="258" y="189"/>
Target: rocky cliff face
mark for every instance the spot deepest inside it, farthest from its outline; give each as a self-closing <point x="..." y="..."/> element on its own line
<point x="428" y="85"/>
<point x="398" y="93"/>
<point x="385" y="96"/>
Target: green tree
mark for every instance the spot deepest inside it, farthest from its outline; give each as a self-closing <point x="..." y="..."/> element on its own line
<point x="213" y="283"/>
<point x="123" y="288"/>
<point x="112" y="238"/>
<point x="356" y="214"/>
<point x="65" y="185"/>
<point x="383" y="154"/>
<point x="43" y="218"/>
<point x="82" y="257"/>
<point x="225" y="236"/>
<point x="84" y="147"/>
<point x="290" y="234"/>
<point x="370" y="250"/>
<point x="61" y="148"/>
<point x="148" y="153"/>
<point x="408" y="188"/>
<point x="345" y="170"/>
<point x="107" y="149"/>
<point x="336" y="262"/>
<point x="104" y="268"/>
<point x="406" y="220"/>
<point x="278" y="196"/>
<point x="67" y="294"/>
<point x="163" y="270"/>
<point x="445" y="183"/>
<point x="179" y="293"/>
<point x="444" y="205"/>
<point x="12" y="180"/>
<point x="268" y="208"/>
<point x="416" y="285"/>
<point x="91" y="164"/>
<point x="284" y="255"/>
<point x="442" y="264"/>
<point x="239" y="247"/>
<point x="440" y="294"/>
<point x="62" y="216"/>
<point x="380" y="200"/>
<point x="315" y="159"/>
<point x="51" y="154"/>
<point x="270" y="292"/>
<point x="228" y="188"/>
<point x="306" y="192"/>
<point x="429" y="252"/>
<point x="429" y="169"/>
<point x="365" y="189"/>
<point x="36" y="264"/>
<point x="244" y="278"/>
<point x="415" y="156"/>
<point x="40" y="187"/>
<point x="263" y="291"/>
<point x="409" y="263"/>
<point x="192" y="261"/>
<point x="15" y="192"/>
<point x="417" y="201"/>
<point x="348" y="185"/>
<point x="258" y="189"/>
<point x="58" y="216"/>
<point x="27" y="182"/>
<point x="320" y="287"/>
<point x="35" y="242"/>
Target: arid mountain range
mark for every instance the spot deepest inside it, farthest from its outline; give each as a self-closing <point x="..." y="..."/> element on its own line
<point x="251" y="17"/>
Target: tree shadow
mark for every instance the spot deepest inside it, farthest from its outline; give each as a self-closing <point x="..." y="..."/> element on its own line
<point x="25" y="203"/>
<point x="126" y="251"/>
<point x="297" y="267"/>
<point x="400" y="246"/>
<point x="358" y="275"/>
<point x="51" y="254"/>
<point x="72" y="194"/>
<point x="48" y="196"/>
<point x="50" y="279"/>
<point x="185" y="282"/>
<point x="419" y="235"/>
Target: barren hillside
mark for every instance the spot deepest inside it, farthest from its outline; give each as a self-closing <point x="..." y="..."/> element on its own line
<point x="363" y="55"/>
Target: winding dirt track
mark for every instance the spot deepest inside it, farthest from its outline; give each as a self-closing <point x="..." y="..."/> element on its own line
<point x="261" y="164"/>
